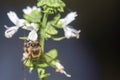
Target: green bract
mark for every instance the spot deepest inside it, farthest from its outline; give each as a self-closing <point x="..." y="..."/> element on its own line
<point x="51" y="55"/>
<point x="58" y="38"/>
<point x="50" y="29"/>
<point x="35" y="16"/>
<point x="43" y="65"/>
<point x="28" y="63"/>
<point x="23" y="38"/>
<point x="42" y="74"/>
<point x="51" y="6"/>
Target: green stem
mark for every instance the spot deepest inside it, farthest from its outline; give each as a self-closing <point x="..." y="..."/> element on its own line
<point x="42" y="34"/>
<point x="42" y="31"/>
<point x="42" y="41"/>
<point x="45" y="17"/>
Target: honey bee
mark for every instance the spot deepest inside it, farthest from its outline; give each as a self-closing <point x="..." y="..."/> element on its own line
<point x="32" y="50"/>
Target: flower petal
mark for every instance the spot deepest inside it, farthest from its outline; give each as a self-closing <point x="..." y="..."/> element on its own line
<point x="14" y="18"/>
<point x="25" y="56"/>
<point x="29" y="9"/>
<point x="10" y="31"/>
<point x="35" y="8"/>
<point x="69" y="18"/>
<point x="30" y="27"/>
<point x="60" y="68"/>
<point x="71" y="32"/>
<point x="33" y="35"/>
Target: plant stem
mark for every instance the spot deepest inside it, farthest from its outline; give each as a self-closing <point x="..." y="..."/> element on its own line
<point x="42" y="31"/>
<point x="42" y="41"/>
<point x="42" y="34"/>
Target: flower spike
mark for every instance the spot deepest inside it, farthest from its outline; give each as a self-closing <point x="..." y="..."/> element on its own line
<point x="42" y="22"/>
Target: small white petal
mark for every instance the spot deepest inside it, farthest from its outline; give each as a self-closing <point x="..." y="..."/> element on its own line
<point x="28" y="10"/>
<point x="69" y="18"/>
<point x="20" y="22"/>
<point x="33" y="35"/>
<point x="25" y="11"/>
<point x="14" y="19"/>
<point x="64" y="72"/>
<point x="30" y="27"/>
<point x="12" y="16"/>
<point x="25" y="56"/>
<point x="34" y="8"/>
<point x="10" y="31"/>
<point x="34" y="26"/>
<point x="6" y="26"/>
<point x="71" y="32"/>
<point x="59" y="66"/>
<point x="68" y="31"/>
<point x="39" y="9"/>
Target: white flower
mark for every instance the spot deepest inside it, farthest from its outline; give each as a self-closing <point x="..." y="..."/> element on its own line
<point x="60" y="69"/>
<point x="28" y="10"/>
<point x="69" y="31"/>
<point x="10" y="31"/>
<point x="33" y="35"/>
<point x="14" y="18"/>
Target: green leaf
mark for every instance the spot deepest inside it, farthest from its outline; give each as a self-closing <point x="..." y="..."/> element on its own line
<point x="43" y="65"/>
<point x="51" y="30"/>
<point x="34" y="17"/>
<point x="51" y="6"/>
<point x="51" y="3"/>
<point x="23" y="38"/>
<point x="44" y="75"/>
<point x="59" y="25"/>
<point x="31" y="69"/>
<point x="56" y="19"/>
<point x="51" y="55"/>
<point x="53" y="63"/>
<point x="28" y="63"/>
<point x="41" y="73"/>
<point x="58" y="39"/>
<point x="47" y="35"/>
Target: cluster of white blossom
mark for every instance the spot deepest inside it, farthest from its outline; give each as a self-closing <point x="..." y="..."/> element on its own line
<point x="69" y="31"/>
<point x="21" y="23"/>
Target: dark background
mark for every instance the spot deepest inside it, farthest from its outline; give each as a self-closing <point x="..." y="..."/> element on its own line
<point x="95" y="56"/>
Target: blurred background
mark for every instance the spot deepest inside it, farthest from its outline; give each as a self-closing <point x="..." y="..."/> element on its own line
<point x="95" y="56"/>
